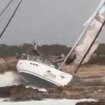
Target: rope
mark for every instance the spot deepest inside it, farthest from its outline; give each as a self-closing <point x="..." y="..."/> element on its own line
<point x="10" y="19"/>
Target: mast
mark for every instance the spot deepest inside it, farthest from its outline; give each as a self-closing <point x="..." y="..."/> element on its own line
<point x="75" y="45"/>
<point x="73" y="48"/>
<point x="90" y="47"/>
<point x="10" y="18"/>
<point x="82" y="35"/>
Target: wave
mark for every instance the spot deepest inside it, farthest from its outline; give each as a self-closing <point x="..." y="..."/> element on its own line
<point x="9" y="79"/>
<point x="49" y="102"/>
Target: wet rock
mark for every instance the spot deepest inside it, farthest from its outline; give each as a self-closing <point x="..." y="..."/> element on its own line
<point x="91" y="103"/>
<point x="78" y="92"/>
<point x="81" y="86"/>
<point x="20" y="93"/>
<point x="86" y="81"/>
<point x="3" y="65"/>
<point x="11" y="62"/>
<point x="7" y="64"/>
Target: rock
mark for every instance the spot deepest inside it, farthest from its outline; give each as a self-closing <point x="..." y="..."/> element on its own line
<point x="3" y="65"/>
<point x="81" y="86"/>
<point x="85" y="81"/>
<point x="20" y="93"/>
<point x="11" y="62"/>
<point x="91" y="103"/>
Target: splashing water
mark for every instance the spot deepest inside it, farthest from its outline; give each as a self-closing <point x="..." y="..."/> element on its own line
<point x="9" y="79"/>
<point x="48" y="102"/>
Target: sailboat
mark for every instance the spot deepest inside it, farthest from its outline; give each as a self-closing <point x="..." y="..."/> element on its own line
<point x="42" y="72"/>
<point x="37" y="72"/>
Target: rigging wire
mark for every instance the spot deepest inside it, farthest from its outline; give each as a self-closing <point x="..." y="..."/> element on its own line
<point x="90" y="47"/>
<point x="6" y="7"/>
<point x="10" y="19"/>
<point x="80" y="38"/>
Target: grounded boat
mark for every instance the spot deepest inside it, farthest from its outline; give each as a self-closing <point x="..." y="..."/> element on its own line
<point x="39" y="72"/>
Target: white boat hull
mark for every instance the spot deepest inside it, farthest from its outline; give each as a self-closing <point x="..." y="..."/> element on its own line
<point x="41" y="75"/>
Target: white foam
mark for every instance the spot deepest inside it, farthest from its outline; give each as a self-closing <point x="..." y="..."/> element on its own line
<point x="48" y="102"/>
<point x="9" y="79"/>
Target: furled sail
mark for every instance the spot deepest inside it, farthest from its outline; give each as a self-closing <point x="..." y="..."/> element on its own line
<point x="88" y="42"/>
<point x="89" y="36"/>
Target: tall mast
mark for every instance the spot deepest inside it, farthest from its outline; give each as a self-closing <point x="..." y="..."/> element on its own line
<point x="82" y="35"/>
<point x="90" y="47"/>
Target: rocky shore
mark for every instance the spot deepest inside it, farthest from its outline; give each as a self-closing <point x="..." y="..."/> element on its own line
<point x="100" y="102"/>
<point x="8" y="64"/>
<point x="21" y="93"/>
<point x="89" y="82"/>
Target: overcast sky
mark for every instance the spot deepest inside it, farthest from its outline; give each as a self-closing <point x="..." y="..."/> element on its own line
<point x="49" y="21"/>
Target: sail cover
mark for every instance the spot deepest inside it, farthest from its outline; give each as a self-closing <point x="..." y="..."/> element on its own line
<point x="93" y="28"/>
<point x="87" y="43"/>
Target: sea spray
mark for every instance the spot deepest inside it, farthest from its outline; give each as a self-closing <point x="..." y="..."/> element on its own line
<point x="49" y="102"/>
<point x="9" y="79"/>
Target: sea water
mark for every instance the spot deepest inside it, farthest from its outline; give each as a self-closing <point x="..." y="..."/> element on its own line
<point x="11" y="78"/>
<point x="47" y="102"/>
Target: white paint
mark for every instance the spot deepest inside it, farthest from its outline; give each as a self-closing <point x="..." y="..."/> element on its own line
<point x="45" y="72"/>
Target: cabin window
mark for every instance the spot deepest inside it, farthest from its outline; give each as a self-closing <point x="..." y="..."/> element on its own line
<point x="34" y="64"/>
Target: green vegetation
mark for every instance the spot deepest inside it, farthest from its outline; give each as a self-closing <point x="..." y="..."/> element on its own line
<point x="56" y="50"/>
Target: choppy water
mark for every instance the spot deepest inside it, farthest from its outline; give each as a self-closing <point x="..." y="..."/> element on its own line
<point x="11" y="78"/>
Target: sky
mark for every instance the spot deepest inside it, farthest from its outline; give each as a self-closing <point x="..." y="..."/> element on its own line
<point x="48" y="21"/>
